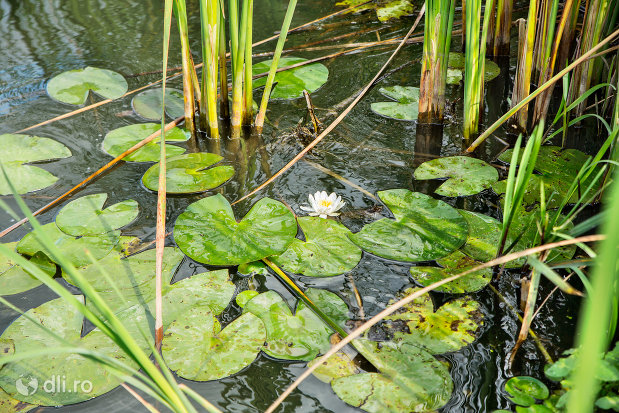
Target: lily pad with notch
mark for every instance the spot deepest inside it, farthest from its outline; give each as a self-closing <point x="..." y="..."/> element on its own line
<point x="465" y="175"/>
<point x="424" y="228"/>
<point x="405" y="107"/>
<point x="119" y="140"/>
<point x="15" y="279"/>
<point x="292" y="82"/>
<point x="148" y="104"/>
<point x="73" y="86"/>
<point x="189" y="173"/>
<point x="208" y="232"/>
<point x="457" y="62"/>
<point x="18" y="151"/>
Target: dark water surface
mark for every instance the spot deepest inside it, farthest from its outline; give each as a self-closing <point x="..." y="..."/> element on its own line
<point x="41" y="38"/>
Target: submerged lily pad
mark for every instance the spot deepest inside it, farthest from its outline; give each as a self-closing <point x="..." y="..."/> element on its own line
<point x="458" y="62"/>
<point x="454" y="263"/>
<point x="406" y="106"/>
<point x="119" y="140"/>
<point x="336" y="366"/>
<point x="73" y="86"/>
<point x="147" y="104"/>
<point x="208" y="232"/>
<point x="73" y="249"/>
<point x="14" y="279"/>
<point x="385" y="10"/>
<point x="326" y="251"/>
<point x="291" y="83"/>
<point x="18" y="150"/>
<point x="196" y="348"/>
<point x="453" y="326"/>
<point x="424" y="228"/>
<point x="86" y="216"/>
<point x="466" y="175"/>
<point x="411" y="380"/>
<point x="189" y="173"/>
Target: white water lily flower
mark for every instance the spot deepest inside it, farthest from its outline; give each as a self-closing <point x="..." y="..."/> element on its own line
<point x="324" y="205"/>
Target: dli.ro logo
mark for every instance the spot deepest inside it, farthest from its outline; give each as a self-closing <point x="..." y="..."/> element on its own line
<point x="27" y="386"/>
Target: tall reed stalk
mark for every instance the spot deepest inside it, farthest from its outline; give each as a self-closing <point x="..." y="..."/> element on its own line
<point x="248" y="97"/>
<point x="224" y="104"/>
<point x="210" y="16"/>
<point x="436" y="43"/>
<point x="502" y="28"/>
<point x="238" y="37"/>
<point x="180" y="10"/>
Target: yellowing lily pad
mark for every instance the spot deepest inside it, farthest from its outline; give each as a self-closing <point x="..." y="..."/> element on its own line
<point x="338" y="365"/>
<point x="465" y="175"/>
<point x="457" y="62"/>
<point x="18" y="150"/>
<point x="406" y="106"/>
<point x="86" y="216"/>
<point x="147" y="104"/>
<point x="119" y="140"/>
<point x="189" y="173"/>
<point x="326" y="251"/>
<point x="73" y="86"/>
<point x="14" y="279"/>
<point x="385" y="9"/>
<point x="424" y="228"/>
<point x="291" y="83"/>
<point x="208" y="232"/>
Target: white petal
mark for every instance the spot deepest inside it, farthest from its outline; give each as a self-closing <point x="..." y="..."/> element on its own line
<point x="323" y="216"/>
<point x="304" y="208"/>
<point x="314" y="214"/>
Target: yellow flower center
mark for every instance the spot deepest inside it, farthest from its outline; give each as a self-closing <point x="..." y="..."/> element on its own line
<point x="325" y="203"/>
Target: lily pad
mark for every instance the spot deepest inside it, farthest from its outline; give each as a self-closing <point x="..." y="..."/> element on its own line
<point x="9" y="404"/>
<point x="147" y="104"/>
<point x="454" y="263"/>
<point x="326" y="251"/>
<point x="244" y="296"/>
<point x="336" y="366"/>
<point x="208" y="232"/>
<point x="196" y="348"/>
<point x="73" y="86"/>
<point x="454" y="76"/>
<point x="86" y="216"/>
<point x="466" y="175"/>
<point x="458" y="62"/>
<point x="14" y="279"/>
<point x="119" y="140"/>
<point x="18" y="150"/>
<point x="385" y="9"/>
<point x="411" y="380"/>
<point x="73" y="249"/>
<point x="189" y="173"/>
<point x="291" y="83"/>
<point x="406" y="106"/>
<point x="524" y="390"/>
<point x="252" y="268"/>
<point x="453" y="326"/>
<point x="424" y="228"/>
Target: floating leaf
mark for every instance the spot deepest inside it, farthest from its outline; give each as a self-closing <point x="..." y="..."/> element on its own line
<point x="385" y="10"/>
<point x="196" y="348"/>
<point x="326" y="251"/>
<point x="454" y="76"/>
<point x="119" y="140"/>
<point x="208" y="232"/>
<point x="86" y="216"/>
<point x="9" y="404"/>
<point x="336" y="366"/>
<point x="291" y="83"/>
<point x="466" y="175"/>
<point x="244" y="296"/>
<point x="524" y="390"/>
<point x="252" y="268"/>
<point x="454" y="263"/>
<point x="14" y="279"/>
<point x="189" y="173"/>
<point x="412" y="380"/>
<point x="453" y="326"/>
<point x="73" y="249"/>
<point x="424" y="228"/>
<point x="73" y="86"/>
<point x="457" y="62"/>
<point x="18" y="150"/>
<point x="406" y="106"/>
<point x="148" y="103"/>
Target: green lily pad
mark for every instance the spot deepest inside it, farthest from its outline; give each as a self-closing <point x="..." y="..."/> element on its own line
<point x="296" y="337"/>
<point x="411" y="380"/>
<point x="73" y="249"/>
<point x="453" y="264"/>
<point x="86" y="216"/>
<point x="119" y="140"/>
<point x="244" y="296"/>
<point x="30" y="379"/>
<point x="252" y="268"/>
<point x="454" y="76"/>
<point x="466" y="175"/>
<point x="524" y="390"/>
<point x="406" y="106"/>
<point x="208" y="232"/>
<point x="147" y="104"/>
<point x="385" y="9"/>
<point x="453" y="326"/>
<point x="73" y="86"/>
<point x="291" y="83"/>
<point x="336" y="366"/>
<point x="196" y="348"/>
<point x="189" y="173"/>
<point x="424" y="228"/>
<point x="326" y="251"/>
<point x="18" y="150"/>
<point x="458" y="62"/>
<point x="14" y="279"/>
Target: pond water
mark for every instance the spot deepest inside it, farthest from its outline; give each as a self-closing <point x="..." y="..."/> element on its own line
<point x="41" y="38"/>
